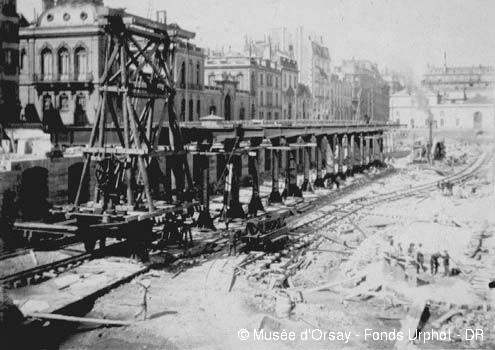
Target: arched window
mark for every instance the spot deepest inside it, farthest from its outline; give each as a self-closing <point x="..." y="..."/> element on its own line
<point x="23" y="61"/>
<point x="182" y="75"/>
<point x="64" y="102"/>
<point x="213" y="109"/>
<point x="227" y="108"/>
<point x="190" y="73"/>
<point x="290" y="111"/>
<point x="46" y="64"/>
<point x="182" y="109"/>
<point x="198" y="75"/>
<point x="198" y="109"/>
<point x="242" y="113"/>
<point x="191" y="110"/>
<point x="80" y="63"/>
<point x="211" y="80"/>
<point x="63" y="63"/>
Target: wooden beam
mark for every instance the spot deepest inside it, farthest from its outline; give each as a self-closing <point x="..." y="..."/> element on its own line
<point x="56" y="317"/>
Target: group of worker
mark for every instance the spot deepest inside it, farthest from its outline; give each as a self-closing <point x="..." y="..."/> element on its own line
<point x="446" y="187"/>
<point x="417" y="257"/>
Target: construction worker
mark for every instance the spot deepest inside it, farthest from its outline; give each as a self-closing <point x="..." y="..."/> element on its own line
<point x="434" y="263"/>
<point x="446" y="263"/>
<point x="420" y="259"/>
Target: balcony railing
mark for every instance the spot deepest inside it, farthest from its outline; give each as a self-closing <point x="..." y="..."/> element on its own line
<point x="291" y="122"/>
<point x="85" y="77"/>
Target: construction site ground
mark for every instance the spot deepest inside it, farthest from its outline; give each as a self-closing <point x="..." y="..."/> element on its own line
<point x="204" y="307"/>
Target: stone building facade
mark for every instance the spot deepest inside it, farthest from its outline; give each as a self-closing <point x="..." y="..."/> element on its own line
<point x="340" y="98"/>
<point x="258" y="78"/>
<point x="370" y="92"/>
<point x="62" y="58"/>
<point x="9" y="59"/>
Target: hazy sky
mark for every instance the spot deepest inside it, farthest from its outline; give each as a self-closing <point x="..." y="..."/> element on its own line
<point x="395" y="33"/>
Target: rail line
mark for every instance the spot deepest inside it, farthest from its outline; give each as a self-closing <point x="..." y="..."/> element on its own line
<point x="307" y="232"/>
<point x="323" y="219"/>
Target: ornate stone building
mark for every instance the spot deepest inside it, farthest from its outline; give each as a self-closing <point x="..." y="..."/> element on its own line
<point x="62" y="58"/>
<point x="258" y="78"/>
<point x="9" y="59"/>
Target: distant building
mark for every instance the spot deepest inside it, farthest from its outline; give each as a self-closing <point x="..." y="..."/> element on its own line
<point x="370" y="93"/>
<point x="260" y="78"/>
<point x="289" y="84"/>
<point x="454" y="97"/>
<point x="304" y="102"/>
<point x="9" y="62"/>
<point x="473" y="80"/>
<point x="63" y="56"/>
<point x="340" y="98"/>
<point x="414" y="109"/>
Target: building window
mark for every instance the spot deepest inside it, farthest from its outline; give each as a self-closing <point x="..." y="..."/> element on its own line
<point x="198" y="109"/>
<point x="290" y="110"/>
<point x="242" y="113"/>
<point x="198" y="75"/>
<point x="80" y="117"/>
<point x="182" y="109"/>
<point x="253" y="111"/>
<point x="46" y="64"/>
<point x="23" y="61"/>
<point x="261" y="98"/>
<point x="64" y="102"/>
<point x="269" y="117"/>
<point x="213" y="109"/>
<point x="80" y="63"/>
<point x="211" y="79"/>
<point x="191" y="110"/>
<point x="227" y="108"/>
<point x="63" y="63"/>
<point x="182" y="82"/>
<point x="441" y="122"/>
<point x="190" y="73"/>
<point x="253" y="82"/>
<point x="261" y="79"/>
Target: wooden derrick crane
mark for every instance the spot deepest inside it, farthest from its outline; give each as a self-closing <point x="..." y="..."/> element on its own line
<point x="137" y="78"/>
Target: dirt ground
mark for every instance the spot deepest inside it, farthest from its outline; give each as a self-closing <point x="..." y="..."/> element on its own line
<point x="196" y="310"/>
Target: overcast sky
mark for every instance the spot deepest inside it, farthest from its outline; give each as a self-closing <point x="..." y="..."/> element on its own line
<point x="396" y="33"/>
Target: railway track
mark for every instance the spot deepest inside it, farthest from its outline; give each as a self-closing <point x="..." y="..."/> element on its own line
<point x="304" y="232"/>
<point x="44" y="272"/>
<point x="299" y="230"/>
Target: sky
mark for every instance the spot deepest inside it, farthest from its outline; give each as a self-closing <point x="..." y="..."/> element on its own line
<point x="403" y="35"/>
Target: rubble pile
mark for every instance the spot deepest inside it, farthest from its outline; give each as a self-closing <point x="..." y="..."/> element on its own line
<point x="473" y="320"/>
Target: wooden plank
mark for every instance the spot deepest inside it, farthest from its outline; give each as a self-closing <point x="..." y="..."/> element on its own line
<point x="99" y="321"/>
<point x="42" y="226"/>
